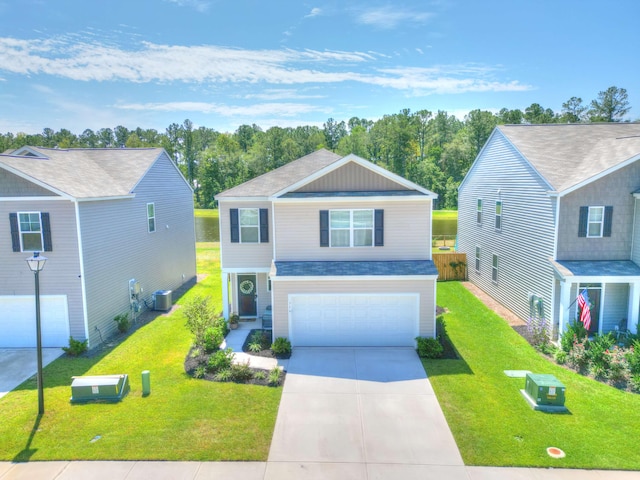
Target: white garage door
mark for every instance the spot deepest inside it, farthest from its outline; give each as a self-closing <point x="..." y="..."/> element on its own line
<point x="18" y="321"/>
<point x="345" y="320"/>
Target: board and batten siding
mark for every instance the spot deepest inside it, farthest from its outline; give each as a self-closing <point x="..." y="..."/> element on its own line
<point x="117" y="246"/>
<point x="407" y="231"/>
<point x="243" y="255"/>
<point x="351" y="177"/>
<point x="61" y="273"/>
<point x="14" y="186"/>
<point x="613" y="190"/>
<point x="282" y="290"/>
<point x="525" y="242"/>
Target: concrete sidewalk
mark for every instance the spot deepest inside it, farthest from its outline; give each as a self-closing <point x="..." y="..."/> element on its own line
<point x="18" y="364"/>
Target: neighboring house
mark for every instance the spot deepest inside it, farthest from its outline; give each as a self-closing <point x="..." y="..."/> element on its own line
<point x="337" y="246"/>
<point x="549" y="210"/>
<point x="102" y="217"/>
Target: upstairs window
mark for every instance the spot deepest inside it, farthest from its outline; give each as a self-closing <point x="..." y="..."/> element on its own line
<point x="351" y="228"/>
<point x="249" y="225"/>
<point x="595" y="222"/>
<point x="498" y="214"/>
<point x="151" y="217"/>
<point x="479" y="211"/>
<point x="30" y="232"/>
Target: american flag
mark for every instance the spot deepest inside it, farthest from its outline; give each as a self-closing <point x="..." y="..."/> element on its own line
<point x="585" y="313"/>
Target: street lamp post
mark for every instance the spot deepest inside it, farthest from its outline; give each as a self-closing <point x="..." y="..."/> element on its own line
<point x="36" y="264"/>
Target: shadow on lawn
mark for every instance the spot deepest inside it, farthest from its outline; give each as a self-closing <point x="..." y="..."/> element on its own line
<point x="25" y="454"/>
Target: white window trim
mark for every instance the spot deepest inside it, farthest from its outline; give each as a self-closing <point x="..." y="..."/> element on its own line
<point x="151" y="217"/>
<point x="240" y="210"/>
<point x="479" y="211"/>
<point x="498" y="217"/>
<point x="478" y="253"/>
<point x="352" y="229"/>
<point x="601" y="222"/>
<point x="20" y="232"/>
<point x="495" y="265"/>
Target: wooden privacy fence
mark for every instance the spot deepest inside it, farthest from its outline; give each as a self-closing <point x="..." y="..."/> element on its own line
<point x="451" y="266"/>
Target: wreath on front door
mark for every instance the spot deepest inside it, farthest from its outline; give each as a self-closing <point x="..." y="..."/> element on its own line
<point x="246" y="287"/>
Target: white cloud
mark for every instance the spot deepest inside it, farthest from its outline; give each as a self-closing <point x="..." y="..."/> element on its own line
<point x="389" y="17"/>
<point x="314" y="12"/>
<point x="255" y="110"/>
<point x="199" y="5"/>
<point x="280" y="94"/>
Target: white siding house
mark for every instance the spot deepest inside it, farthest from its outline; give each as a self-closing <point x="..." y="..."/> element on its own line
<point x="102" y="217"/>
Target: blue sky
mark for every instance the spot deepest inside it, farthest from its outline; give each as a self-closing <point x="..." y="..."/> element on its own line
<point x="88" y="64"/>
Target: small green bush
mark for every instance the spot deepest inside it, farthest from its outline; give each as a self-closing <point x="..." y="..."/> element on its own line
<point x="633" y="358"/>
<point x="260" y="375"/>
<point x="281" y="346"/>
<point x="575" y="333"/>
<point x="223" y="375"/>
<point x="220" y="360"/>
<point x="274" y="376"/>
<point x="578" y="357"/>
<point x="76" y="347"/>
<point x="618" y="365"/>
<point x="241" y="372"/>
<point x="429" y="347"/>
<point x="560" y="356"/>
<point x="123" y="322"/>
<point x="200" y="316"/>
<point x="597" y="352"/>
<point x="199" y="371"/>
<point x="213" y="337"/>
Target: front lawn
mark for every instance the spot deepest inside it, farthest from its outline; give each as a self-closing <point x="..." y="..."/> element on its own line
<point x="182" y="419"/>
<point x="492" y="423"/>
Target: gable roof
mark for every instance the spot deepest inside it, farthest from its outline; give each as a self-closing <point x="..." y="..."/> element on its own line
<point x="284" y="180"/>
<point x="568" y="156"/>
<point x="83" y="173"/>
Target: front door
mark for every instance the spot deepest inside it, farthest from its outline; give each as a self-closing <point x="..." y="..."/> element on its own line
<point x="247" y="295"/>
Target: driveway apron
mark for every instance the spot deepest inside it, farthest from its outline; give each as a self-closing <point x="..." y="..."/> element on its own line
<point x="369" y="412"/>
<point x="18" y="364"/>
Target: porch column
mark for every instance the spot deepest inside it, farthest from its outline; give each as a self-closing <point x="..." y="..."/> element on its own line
<point x="634" y="305"/>
<point x="225" y="295"/>
<point x="565" y="301"/>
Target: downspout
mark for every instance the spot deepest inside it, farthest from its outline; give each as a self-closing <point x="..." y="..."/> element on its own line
<point x="82" y="277"/>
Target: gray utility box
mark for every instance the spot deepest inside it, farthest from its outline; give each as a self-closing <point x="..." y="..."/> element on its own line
<point x="101" y="388"/>
<point x="544" y="392"/>
<point x="162" y="300"/>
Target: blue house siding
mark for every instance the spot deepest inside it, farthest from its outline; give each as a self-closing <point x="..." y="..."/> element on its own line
<point x="161" y="260"/>
<point x="525" y="241"/>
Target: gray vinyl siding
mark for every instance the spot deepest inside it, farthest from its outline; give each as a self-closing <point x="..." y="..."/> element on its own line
<point x="117" y="245"/>
<point x="407" y="231"/>
<point x="351" y="178"/>
<point x="613" y="190"/>
<point x="241" y="255"/>
<point x="61" y="273"/>
<point x="616" y="300"/>
<point x="282" y="289"/>
<point x="526" y="239"/>
<point x="14" y="186"/>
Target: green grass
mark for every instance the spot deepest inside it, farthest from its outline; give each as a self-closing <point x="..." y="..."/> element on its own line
<point x="492" y="423"/>
<point x="445" y="214"/>
<point x="206" y="212"/>
<point x="182" y="419"/>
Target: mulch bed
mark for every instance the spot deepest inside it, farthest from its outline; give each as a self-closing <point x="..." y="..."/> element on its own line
<point x="266" y="345"/>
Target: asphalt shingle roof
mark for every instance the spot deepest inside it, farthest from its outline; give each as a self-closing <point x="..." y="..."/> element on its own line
<point x="386" y="193"/>
<point x="280" y="178"/>
<point x="86" y="173"/>
<point x="597" y="268"/>
<point x="569" y="154"/>
<point x="332" y="268"/>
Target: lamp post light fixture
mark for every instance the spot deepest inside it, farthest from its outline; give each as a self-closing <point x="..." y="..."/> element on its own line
<point x="36" y="264"/>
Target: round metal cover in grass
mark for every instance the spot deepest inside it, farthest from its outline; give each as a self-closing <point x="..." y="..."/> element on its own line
<point x="555" y="452"/>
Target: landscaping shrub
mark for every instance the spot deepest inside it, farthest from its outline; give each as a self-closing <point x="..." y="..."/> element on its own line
<point x="633" y="358"/>
<point x="123" y="322"/>
<point x="597" y="353"/>
<point x="200" y="316"/>
<point x="223" y="375"/>
<point x="274" y="376"/>
<point x="281" y="347"/>
<point x="560" y="356"/>
<point x="578" y="357"/>
<point x="213" y="337"/>
<point x="76" y="347"/>
<point x="220" y="360"/>
<point x="429" y="347"/>
<point x="575" y="333"/>
<point x="538" y="333"/>
<point x="618" y="365"/>
<point x="220" y="323"/>
<point x="241" y="372"/>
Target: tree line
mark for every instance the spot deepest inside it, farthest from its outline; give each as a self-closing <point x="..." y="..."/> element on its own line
<point x="432" y="149"/>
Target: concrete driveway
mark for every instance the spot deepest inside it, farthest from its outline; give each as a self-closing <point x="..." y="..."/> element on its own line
<point x="360" y="413"/>
<point x="18" y="364"/>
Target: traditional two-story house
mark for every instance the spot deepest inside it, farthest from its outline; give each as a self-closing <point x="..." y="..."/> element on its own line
<point x="547" y="211"/>
<point x="115" y="224"/>
<point x="337" y="246"/>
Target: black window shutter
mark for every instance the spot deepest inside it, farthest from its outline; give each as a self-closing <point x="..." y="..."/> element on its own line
<point x="235" y="226"/>
<point x="46" y="232"/>
<point x="379" y="228"/>
<point x="264" y="225"/>
<point x="582" y="222"/>
<point x="15" y="232"/>
<point x="608" y="218"/>
<point x="324" y="228"/>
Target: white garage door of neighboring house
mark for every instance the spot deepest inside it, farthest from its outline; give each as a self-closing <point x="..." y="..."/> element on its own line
<point x="18" y="321"/>
<point x="345" y="320"/>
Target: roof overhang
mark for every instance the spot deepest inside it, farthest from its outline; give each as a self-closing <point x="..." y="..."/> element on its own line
<point x="369" y="270"/>
<point x="596" y="271"/>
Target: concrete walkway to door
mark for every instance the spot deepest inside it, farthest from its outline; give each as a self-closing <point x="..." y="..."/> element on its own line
<point x="361" y="413"/>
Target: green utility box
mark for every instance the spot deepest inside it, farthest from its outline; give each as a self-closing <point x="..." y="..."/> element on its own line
<point x="101" y="388"/>
<point x="544" y="392"/>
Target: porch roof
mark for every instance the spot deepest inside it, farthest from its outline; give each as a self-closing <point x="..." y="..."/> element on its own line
<point x="596" y="270"/>
<point x="359" y="268"/>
